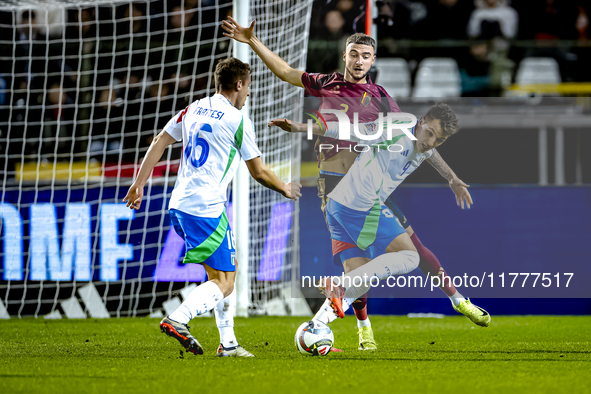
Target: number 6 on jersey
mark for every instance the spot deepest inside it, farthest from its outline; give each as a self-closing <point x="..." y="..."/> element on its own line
<point x="197" y="159"/>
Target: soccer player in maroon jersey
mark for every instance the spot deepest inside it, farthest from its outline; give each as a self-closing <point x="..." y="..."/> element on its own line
<point x="356" y="93"/>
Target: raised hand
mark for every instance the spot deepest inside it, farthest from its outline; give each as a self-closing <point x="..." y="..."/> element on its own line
<point x="460" y="189"/>
<point x="237" y="32"/>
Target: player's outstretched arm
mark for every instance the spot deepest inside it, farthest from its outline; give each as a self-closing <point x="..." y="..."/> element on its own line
<point x="278" y="66"/>
<point x="136" y="190"/>
<point x="332" y="130"/>
<point x="459" y="187"/>
<point x="263" y="175"/>
<point x="294" y="127"/>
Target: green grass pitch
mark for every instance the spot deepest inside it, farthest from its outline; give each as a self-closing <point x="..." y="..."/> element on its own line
<point x="527" y="354"/>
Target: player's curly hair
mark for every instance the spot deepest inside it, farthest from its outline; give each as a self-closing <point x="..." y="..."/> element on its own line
<point x="228" y="72"/>
<point x="449" y="120"/>
<point x="362" y="39"/>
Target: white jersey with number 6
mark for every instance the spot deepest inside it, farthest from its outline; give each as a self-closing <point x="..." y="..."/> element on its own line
<point x="215" y="136"/>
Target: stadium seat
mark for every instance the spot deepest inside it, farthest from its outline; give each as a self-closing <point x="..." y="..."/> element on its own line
<point x="394" y="76"/>
<point x="538" y="70"/>
<point x="438" y="77"/>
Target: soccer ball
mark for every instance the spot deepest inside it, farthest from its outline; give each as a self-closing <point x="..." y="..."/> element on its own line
<point x="314" y="338"/>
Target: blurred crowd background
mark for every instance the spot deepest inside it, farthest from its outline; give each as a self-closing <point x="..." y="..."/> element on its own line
<point x="97" y="83"/>
<point x="487" y="38"/>
<point x="102" y="81"/>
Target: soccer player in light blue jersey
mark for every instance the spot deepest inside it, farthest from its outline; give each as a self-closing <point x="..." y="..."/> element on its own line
<point x="216" y="138"/>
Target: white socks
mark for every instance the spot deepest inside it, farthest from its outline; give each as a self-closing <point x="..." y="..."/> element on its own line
<point x="325" y="314"/>
<point x="357" y="282"/>
<point x="383" y="266"/>
<point x="363" y="323"/>
<point x="456" y="298"/>
<point x="199" y="301"/>
<point x="204" y="298"/>
<point x="224" y="318"/>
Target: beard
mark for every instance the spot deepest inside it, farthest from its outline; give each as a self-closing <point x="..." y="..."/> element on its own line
<point x="360" y="78"/>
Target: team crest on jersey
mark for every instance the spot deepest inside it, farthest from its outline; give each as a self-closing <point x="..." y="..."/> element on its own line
<point x="365" y="100"/>
<point x="371" y="127"/>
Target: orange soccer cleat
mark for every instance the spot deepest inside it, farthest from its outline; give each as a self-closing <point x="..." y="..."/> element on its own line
<point x="335" y="294"/>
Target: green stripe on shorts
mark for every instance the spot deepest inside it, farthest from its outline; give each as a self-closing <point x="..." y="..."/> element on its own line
<point x="202" y="252"/>
<point x="370" y="227"/>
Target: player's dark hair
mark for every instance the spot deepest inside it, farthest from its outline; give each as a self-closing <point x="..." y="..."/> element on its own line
<point x="228" y="72"/>
<point x="361" y="39"/>
<point x="449" y="120"/>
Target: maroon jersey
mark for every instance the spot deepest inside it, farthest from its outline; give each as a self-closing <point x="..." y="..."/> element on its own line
<point x="336" y="93"/>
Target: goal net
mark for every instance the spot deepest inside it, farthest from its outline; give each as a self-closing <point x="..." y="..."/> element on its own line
<point x="84" y="87"/>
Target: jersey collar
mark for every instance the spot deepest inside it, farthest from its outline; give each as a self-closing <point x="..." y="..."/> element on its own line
<point x="342" y="77"/>
<point x="221" y="97"/>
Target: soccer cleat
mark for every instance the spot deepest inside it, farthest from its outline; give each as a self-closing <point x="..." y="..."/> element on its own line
<point x="181" y="333"/>
<point x="236" y="351"/>
<point x="366" y="341"/>
<point x="335" y="350"/>
<point x="475" y="313"/>
<point x="335" y="294"/>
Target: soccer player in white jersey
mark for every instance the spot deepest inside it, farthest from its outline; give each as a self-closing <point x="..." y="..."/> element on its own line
<point x="366" y="235"/>
<point x="357" y="93"/>
<point x="216" y="137"/>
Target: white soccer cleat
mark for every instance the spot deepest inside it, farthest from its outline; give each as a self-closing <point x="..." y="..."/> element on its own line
<point x="237" y="351"/>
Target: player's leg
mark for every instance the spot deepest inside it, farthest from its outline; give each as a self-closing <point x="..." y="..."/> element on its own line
<point x="400" y="258"/>
<point x="224" y="318"/>
<point x="327" y="313"/>
<point x="431" y="267"/>
<point x="326" y="184"/>
<point x="344" y="226"/>
<point x="364" y="329"/>
<point x="202" y="299"/>
<point x="429" y="263"/>
<point x="204" y="240"/>
<point x="179" y="329"/>
<point x="393" y="251"/>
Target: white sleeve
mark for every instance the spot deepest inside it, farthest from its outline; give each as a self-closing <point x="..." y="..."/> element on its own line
<point x="174" y="127"/>
<point x="246" y="141"/>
